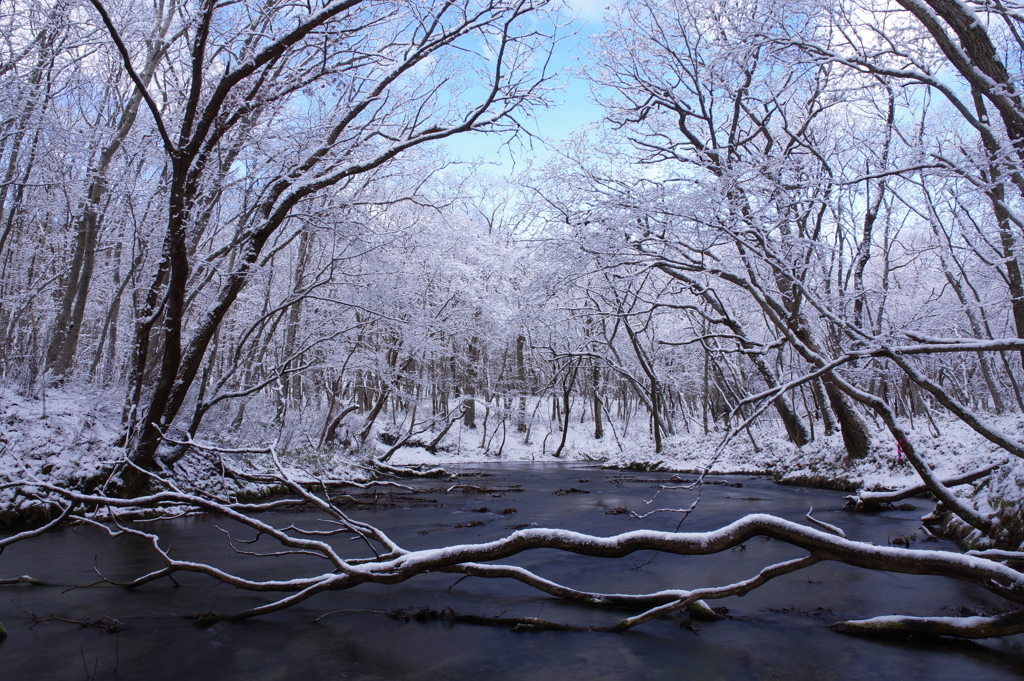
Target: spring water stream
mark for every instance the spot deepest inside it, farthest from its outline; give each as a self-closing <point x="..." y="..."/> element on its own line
<point x="776" y="632"/>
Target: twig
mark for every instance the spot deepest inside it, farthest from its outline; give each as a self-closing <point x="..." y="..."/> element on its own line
<point x="823" y="525"/>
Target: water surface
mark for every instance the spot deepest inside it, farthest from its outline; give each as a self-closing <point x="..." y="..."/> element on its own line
<point x="776" y="632"/>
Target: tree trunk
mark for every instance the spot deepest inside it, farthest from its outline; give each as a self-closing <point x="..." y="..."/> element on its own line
<point x="521" y="375"/>
<point x="469" y="385"/>
<point x="293" y="384"/>
<point x="567" y="386"/>
<point x="68" y="325"/>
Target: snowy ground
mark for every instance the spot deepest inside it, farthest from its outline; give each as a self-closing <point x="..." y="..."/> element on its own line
<point x="956" y="449"/>
<point x="64" y="436"/>
<point x="69" y="437"/>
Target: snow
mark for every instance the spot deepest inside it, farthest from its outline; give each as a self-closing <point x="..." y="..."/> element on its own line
<point x="965" y="623"/>
<point x="64" y="437"/>
<point x="956" y="449"/>
<point x="462" y="445"/>
<point x="69" y="436"/>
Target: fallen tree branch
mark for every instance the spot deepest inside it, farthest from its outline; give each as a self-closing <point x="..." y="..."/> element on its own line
<point x="26" y="579"/>
<point x="697" y="608"/>
<point x="28" y="534"/>
<point x="866" y="499"/>
<point x="394" y="565"/>
<point x="451" y="615"/>
<point x="105" y="622"/>
<point x="412" y="471"/>
<point x="828" y="527"/>
<point x="962" y="627"/>
<point x="737" y="589"/>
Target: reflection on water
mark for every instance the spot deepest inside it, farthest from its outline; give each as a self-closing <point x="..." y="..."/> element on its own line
<point x="778" y="631"/>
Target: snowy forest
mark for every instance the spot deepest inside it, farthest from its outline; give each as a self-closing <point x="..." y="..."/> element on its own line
<point x="242" y="270"/>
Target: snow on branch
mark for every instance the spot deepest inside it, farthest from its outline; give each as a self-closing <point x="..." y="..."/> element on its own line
<point x="394" y="565"/>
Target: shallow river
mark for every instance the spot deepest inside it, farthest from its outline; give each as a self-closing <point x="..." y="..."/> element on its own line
<point x="776" y="632"/>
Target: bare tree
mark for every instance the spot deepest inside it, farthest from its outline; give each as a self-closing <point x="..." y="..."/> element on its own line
<point x="377" y="58"/>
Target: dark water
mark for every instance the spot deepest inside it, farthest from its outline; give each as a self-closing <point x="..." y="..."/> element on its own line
<point x="778" y="632"/>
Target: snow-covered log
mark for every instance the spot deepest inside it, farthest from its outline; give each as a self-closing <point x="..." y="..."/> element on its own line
<point x="961" y="627"/>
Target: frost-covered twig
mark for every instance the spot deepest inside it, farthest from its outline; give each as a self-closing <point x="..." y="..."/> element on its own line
<point x="828" y="527"/>
<point x="367" y="532"/>
<point x="737" y="589"/>
<point x="685" y="511"/>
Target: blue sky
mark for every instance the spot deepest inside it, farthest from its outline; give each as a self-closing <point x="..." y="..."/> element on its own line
<point x="570" y="111"/>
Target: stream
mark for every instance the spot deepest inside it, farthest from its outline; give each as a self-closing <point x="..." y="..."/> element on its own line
<point x="778" y="631"/>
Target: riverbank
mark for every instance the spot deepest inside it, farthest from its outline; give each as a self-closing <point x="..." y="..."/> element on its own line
<point x="950" y="448"/>
<point x="69" y="438"/>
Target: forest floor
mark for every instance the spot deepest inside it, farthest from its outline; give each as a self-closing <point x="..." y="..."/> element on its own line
<point x="69" y="436"/>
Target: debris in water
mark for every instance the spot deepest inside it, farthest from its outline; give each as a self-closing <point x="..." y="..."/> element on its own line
<point x="571" y="490"/>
